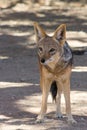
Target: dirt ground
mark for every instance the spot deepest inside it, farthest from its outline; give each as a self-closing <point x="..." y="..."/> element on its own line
<point x="20" y="94"/>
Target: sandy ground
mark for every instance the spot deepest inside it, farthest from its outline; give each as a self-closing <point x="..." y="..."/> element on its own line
<point x="20" y="95"/>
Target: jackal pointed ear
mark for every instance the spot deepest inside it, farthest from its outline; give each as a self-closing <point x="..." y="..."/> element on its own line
<point x="39" y="32"/>
<point x="60" y="33"/>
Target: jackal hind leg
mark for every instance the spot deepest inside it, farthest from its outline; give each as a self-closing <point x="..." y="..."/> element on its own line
<point x="58" y="102"/>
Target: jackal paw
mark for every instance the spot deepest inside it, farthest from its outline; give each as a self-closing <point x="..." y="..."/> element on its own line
<point x="40" y="119"/>
<point x="72" y="121"/>
<point x="58" y="115"/>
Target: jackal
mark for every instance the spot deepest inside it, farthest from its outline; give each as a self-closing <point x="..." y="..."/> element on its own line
<point x="55" y="63"/>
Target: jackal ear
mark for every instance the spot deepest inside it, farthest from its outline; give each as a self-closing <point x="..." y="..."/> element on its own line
<point x="39" y="32"/>
<point x="60" y="33"/>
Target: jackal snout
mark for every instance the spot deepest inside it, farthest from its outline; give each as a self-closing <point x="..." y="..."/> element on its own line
<point x="42" y="60"/>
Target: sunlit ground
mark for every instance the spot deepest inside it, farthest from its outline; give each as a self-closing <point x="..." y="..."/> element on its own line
<point x="31" y="104"/>
<point x="14" y="24"/>
<point x="80" y="69"/>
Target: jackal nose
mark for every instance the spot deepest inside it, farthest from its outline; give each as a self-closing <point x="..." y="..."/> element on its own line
<point x="42" y="60"/>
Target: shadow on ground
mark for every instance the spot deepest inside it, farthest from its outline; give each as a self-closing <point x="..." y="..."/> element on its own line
<point x="19" y="77"/>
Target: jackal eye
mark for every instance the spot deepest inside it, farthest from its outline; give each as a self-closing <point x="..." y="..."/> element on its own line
<point x="52" y="51"/>
<point x="40" y="49"/>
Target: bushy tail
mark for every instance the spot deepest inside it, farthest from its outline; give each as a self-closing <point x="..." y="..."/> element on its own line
<point x="53" y="90"/>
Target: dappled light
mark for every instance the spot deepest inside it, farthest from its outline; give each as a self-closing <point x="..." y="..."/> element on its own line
<point x="13" y="84"/>
<point x="20" y="93"/>
<point x="23" y="108"/>
<point x="80" y="69"/>
<point x="3" y="57"/>
<point x="33" y="103"/>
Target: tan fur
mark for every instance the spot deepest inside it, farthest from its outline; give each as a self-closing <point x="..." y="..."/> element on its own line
<point x="53" y="69"/>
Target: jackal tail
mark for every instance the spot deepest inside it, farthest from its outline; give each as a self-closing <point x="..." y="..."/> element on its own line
<point x="54" y="90"/>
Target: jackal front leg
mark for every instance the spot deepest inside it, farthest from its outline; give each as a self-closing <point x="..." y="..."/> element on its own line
<point x="66" y="90"/>
<point x="45" y="86"/>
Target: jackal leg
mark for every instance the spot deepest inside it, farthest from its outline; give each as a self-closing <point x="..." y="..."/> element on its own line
<point x="45" y="90"/>
<point x="58" y="102"/>
<point x="66" y="90"/>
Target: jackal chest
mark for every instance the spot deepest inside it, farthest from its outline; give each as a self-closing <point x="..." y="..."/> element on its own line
<point x="54" y="77"/>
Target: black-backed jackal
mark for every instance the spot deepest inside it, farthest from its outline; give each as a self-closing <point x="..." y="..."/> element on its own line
<point x="55" y="63"/>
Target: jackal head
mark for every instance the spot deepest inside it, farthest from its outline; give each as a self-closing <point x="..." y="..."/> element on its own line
<point x="50" y="48"/>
